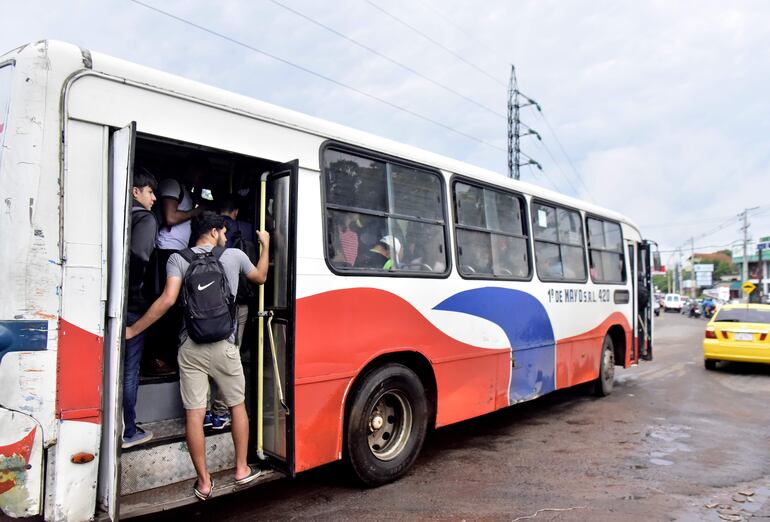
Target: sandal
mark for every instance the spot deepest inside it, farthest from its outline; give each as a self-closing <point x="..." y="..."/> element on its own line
<point x="203" y="496"/>
<point x="254" y="473"/>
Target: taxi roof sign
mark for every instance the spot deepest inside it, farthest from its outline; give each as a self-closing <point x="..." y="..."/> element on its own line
<point x="748" y="287"/>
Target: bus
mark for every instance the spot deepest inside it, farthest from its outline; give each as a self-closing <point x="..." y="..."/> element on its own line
<point x="494" y="291"/>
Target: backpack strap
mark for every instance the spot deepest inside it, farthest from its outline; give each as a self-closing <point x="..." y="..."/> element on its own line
<point x="187" y="254"/>
<point x="217" y="251"/>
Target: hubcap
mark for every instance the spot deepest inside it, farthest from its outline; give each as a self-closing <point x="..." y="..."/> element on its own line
<point x="390" y="424"/>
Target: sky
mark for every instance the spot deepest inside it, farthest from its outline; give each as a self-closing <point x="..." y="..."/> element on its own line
<point x="656" y="109"/>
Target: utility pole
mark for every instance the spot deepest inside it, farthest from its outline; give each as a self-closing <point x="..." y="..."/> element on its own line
<point x="745" y="228"/>
<point x="514" y="127"/>
<point x="692" y="267"/>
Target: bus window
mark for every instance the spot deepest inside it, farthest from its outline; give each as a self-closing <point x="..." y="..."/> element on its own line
<point x="559" y="253"/>
<point x="491" y="237"/>
<point x="605" y="251"/>
<point x="6" y="74"/>
<point x="382" y="216"/>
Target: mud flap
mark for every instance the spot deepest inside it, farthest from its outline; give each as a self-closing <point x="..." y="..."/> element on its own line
<point x="21" y="464"/>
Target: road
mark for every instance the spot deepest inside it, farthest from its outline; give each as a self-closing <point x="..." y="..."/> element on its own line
<point x="673" y="442"/>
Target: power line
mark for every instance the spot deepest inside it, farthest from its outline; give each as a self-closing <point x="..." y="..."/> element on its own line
<point x="469" y="36"/>
<point x="435" y="42"/>
<point x="389" y="59"/>
<point x="569" y="160"/>
<point x="458" y="28"/>
<point x="316" y="74"/>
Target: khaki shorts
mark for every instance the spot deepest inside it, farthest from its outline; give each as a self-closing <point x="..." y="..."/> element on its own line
<point x="221" y="361"/>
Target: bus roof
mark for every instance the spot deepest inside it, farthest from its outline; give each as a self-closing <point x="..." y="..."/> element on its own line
<point x="140" y="74"/>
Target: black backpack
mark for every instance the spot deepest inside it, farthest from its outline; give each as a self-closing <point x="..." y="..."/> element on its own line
<point x="207" y="304"/>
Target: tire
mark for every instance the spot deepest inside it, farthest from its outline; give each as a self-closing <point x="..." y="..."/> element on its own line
<point x="386" y="426"/>
<point x="606" y="380"/>
<point x="710" y="364"/>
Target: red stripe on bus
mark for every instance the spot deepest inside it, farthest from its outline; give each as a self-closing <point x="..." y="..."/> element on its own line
<point x="79" y="374"/>
<point x="340" y="331"/>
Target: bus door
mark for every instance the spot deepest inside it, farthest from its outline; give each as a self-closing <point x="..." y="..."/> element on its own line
<point x="122" y="147"/>
<point x="274" y="393"/>
<point x="645" y="298"/>
<point x="632" y="275"/>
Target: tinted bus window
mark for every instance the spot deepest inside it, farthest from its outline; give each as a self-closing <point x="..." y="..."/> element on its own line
<point x="558" y="233"/>
<point x="6" y="74"/>
<point x="491" y="236"/>
<point x="382" y="216"/>
<point x="605" y="251"/>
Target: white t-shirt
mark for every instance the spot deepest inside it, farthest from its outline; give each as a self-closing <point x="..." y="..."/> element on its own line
<point x="175" y="237"/>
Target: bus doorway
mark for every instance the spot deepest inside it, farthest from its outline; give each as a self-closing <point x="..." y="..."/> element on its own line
<point x="131" y="481"/>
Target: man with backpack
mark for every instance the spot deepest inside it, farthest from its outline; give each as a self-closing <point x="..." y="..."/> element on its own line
<point x="207" y="277"/>
<point x="144" y="227"/>
<point x="240" y="235"/>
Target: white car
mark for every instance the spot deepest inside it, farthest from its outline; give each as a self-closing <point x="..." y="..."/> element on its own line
<point x="672" y="302"/>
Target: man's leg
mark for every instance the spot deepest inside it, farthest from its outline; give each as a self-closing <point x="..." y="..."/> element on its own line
<point x="193" y="362"/>
<point x="133" y="357"/>
<point x="240" y="433"/>
<point x="196" y="444"/>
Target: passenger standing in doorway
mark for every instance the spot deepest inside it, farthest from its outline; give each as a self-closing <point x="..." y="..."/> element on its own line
<point x="144" y="227"/>
<point x="177" y="208"/>
<point x="218" y="360"/>
<point x="240" y="235"/>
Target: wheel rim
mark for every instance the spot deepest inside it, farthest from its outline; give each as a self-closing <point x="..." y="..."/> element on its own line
<point x="609" y="367"/>
<point x="389" y="425"/>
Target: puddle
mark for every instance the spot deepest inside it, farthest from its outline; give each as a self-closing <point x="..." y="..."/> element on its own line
<point x="664" y="441"/>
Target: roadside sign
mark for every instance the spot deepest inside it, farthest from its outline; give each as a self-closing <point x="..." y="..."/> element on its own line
<point x="763" y="246"/>
<point x="703" y="267"/>
<point x="748" y="287"/>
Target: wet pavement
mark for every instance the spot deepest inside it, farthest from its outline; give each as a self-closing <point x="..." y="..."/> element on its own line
<point x="673" y="442"/>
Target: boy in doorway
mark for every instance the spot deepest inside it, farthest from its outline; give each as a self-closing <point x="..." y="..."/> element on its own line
<point x="219" y="360"/>
<point x="144" y="227"/>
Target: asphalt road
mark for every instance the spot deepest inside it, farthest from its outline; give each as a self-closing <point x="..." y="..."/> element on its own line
<point x="673" y="442"/>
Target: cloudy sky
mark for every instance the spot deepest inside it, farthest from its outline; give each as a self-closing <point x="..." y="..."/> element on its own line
<point x="657" y="109"/>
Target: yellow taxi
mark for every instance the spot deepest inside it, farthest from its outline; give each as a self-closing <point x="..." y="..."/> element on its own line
<point x="738" y="333"/>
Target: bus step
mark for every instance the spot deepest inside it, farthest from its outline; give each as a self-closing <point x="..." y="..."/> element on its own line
<point x="154" y="466"/>
<point x="181" y="493"/>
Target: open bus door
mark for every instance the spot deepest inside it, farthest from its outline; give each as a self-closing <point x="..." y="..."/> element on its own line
<point x="118" y="227"/>
<point x="645" y="267"/>
<point x="274" y="394"/>
<point x="633" y="301"/>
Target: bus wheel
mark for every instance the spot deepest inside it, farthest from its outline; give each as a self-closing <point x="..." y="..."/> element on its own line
<point x="606" y="380"/>
<point x="387" y="424"/>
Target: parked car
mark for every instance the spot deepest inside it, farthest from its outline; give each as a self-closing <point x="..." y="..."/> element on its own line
<point x="672" y="302"/>
<point x="738" y="333"/>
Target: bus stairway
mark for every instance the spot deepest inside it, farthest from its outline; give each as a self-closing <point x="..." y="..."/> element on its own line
<point x="181" y="493"/>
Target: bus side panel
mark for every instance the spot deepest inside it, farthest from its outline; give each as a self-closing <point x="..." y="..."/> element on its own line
<point x="81" y="346"/>
<point x="468" y="387"/>
<point x="329" y="353"/>
<point x="585" y="351"/>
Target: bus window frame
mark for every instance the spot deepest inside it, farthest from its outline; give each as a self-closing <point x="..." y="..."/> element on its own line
<point x="459" y="178"/>
<point x="581" y="214"/>
<point x="347" y="148"/>
<point x="622" y="252"/>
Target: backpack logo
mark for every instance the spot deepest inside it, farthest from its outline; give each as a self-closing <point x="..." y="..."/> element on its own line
<point x="201" y="288"/>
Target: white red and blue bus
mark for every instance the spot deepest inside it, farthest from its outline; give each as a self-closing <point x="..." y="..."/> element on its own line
<point x="497" y="291"/>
